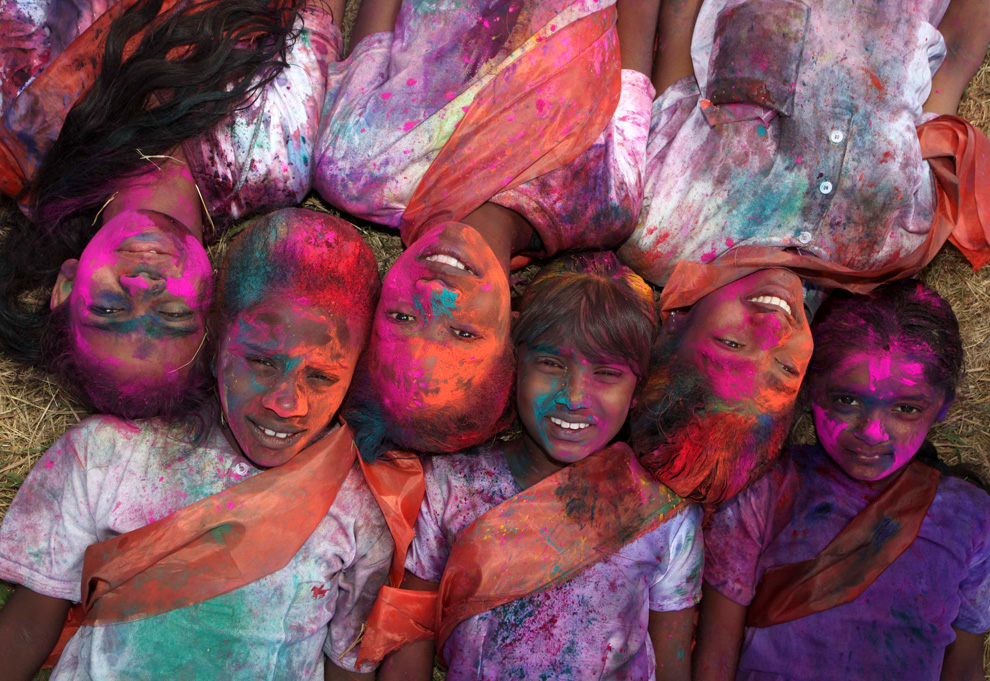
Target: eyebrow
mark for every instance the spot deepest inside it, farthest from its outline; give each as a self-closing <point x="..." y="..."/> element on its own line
<point x="127" y="326"/>
<point x="262" y="350"/>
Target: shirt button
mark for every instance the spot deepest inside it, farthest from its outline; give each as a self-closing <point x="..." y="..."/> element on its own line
<point x="825" y="187"/>
<point x="804" y="237"/>
<point x="836" y="136"/>
<point x="241" y="468"/>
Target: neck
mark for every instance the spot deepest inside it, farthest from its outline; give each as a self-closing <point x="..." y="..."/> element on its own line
<point x="528" y="463"/>
<point x="506" y="231"/>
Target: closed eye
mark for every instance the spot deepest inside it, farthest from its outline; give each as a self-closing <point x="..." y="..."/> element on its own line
<point x="261" y="361"/>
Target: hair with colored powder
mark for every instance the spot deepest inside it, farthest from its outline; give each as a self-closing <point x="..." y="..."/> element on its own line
<point x="700" y="445"/>
<point x="317" y="257"/>
<point x="903" y="314"/>
<point x="595" y="302"/>
<point x="211" y="58"/>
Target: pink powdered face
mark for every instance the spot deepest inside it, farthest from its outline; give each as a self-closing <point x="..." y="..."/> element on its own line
<point x="442" y="323"/>
<point x="283" y="370"/>
<point x="751" y="339"/>
<point x="570" y="405"/>
<point x="139" y="297"/>
<point x="873" y="411"/>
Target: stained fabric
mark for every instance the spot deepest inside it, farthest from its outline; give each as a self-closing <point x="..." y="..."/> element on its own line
<point x="832" y="169"/>
<point x="219" y="543"/>
<point x="107" y="477"/>
<point x="899" y="627"/>
<point x="851" y="562"/>
<point x="393" y="106"/>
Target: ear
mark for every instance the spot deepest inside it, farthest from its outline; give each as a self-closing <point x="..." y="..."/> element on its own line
<point x="63" y="283"/>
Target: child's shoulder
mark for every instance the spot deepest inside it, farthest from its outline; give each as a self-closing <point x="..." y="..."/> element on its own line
<point x="111" y="435"/>
<point x="962" y="498"/>
<point x="474" y="466"/>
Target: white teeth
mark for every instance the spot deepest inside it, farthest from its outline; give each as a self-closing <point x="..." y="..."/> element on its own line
<point x="447" y="260"/>
<point x="773" y="300"/>
<point x="271" y="433"/>
<point x="569" y="426"/>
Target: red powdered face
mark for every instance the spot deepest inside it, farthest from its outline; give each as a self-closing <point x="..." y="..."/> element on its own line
<point x="440" y="330"/>
<point x="137" y="298"/>
<point x="751" y="339"/>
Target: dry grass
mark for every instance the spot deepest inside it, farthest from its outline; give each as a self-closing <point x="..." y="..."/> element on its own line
<point x="34" y="412"/>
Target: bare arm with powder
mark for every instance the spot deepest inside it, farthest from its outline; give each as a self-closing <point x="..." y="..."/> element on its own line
<point x="413" y="662"/>
<point x="964" y="658"/>
<point x="30" y="624"/>
<point x="673" y="60"/>
<point x="671" y="634"/>
<point x="332" y="672"/>
<point x="637" y="33"/>
<point x="721" y="625"/>
<point x="374" y="16"/>
<point x="966" y="29"/>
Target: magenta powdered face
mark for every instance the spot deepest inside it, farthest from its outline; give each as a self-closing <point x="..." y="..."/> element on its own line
<point x="137" y="299"/>
<point x="873" y="411"/>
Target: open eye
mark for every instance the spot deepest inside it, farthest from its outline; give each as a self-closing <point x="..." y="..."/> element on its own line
<point x="105" y="310"/>
<point x="846" y="400"/>
<point x="261" y="362"/>
<point x="789" y="368"/>
<point x="176" y="311"/>
<point x="550" y="364"/>
<point x="462" y="333"/>
<point x="401" y="316"/>
<point x="729" y="343"/>
<point x="908" y="409"/>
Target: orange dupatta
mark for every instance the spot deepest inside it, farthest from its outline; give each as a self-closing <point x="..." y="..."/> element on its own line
<point x="549" y="533"/>
<point x="854" y="559"/>
<point x="219" y="543"/>
<point x="538" y="114"/>
<point x="40" y="109"/>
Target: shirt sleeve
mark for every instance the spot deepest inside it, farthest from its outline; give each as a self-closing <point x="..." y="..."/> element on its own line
<point x="48" y="527"/>
<point x="974" y="590"/>
<point x="678" y="582"/>
<point x="735" y="540"/>
<point x="357" y="589"/>
<point x="430" y="549"/>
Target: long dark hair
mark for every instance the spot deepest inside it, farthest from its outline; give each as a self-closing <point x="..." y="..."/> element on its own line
<point x="189" y="71"/>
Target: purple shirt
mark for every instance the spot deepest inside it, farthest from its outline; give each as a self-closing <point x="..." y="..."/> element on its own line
<point x="591" y="627"/>
<point x="899" y="627"/>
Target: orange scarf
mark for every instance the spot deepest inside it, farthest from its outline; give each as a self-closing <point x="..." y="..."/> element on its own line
<point x="536" y="115"/>
<point x="852" y="561"/>
<point x="219" y="543"/>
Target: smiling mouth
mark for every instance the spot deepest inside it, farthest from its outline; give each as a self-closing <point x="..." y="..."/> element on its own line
<point x="274" y="438"/>
<point x="448" y="260"/>
<point x="773" y="301"/>
<point x="567" y="425"/>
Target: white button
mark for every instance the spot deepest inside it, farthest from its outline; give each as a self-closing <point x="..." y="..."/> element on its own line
<point x="804" y="237"/>
<point x="836" y="136"/>
<point x="241" y="468"/>
<point x="825" y="187"/>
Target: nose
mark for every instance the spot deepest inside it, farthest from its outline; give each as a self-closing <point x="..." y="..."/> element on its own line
<point x="436" y="297"/>
<point x="143" y="283"/>
<point x="770" y="330"/>
<point x="871" y="430"/>
<point x="286" y="399"/>
<point x="573" y="393"/>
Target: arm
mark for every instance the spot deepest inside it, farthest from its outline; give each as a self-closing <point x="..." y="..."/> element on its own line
<point x="374" y="16"/>
<point x="637" y="32"/>
<point x="966" y="29"/>
<point x="30" y="625"/>
<point x="671" y="634"/>
<point x="414" y="661"/>
<point x="964" y="658"/>
<point x="721" y="625"/>
<point x="332" y="672"/>
<point x="673" y="60"/>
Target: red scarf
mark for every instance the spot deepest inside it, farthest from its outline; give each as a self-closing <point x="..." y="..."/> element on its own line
<point x="854" y="559"/>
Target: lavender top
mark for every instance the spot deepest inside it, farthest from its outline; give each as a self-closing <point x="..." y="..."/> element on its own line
<point x="592" y="627"/>
<point x="899" y="627"/>
<point x="108" y="476"/>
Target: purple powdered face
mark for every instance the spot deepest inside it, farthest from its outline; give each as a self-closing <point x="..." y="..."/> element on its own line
<point x="137" y="297"/>
<point x="873" y="410"/>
